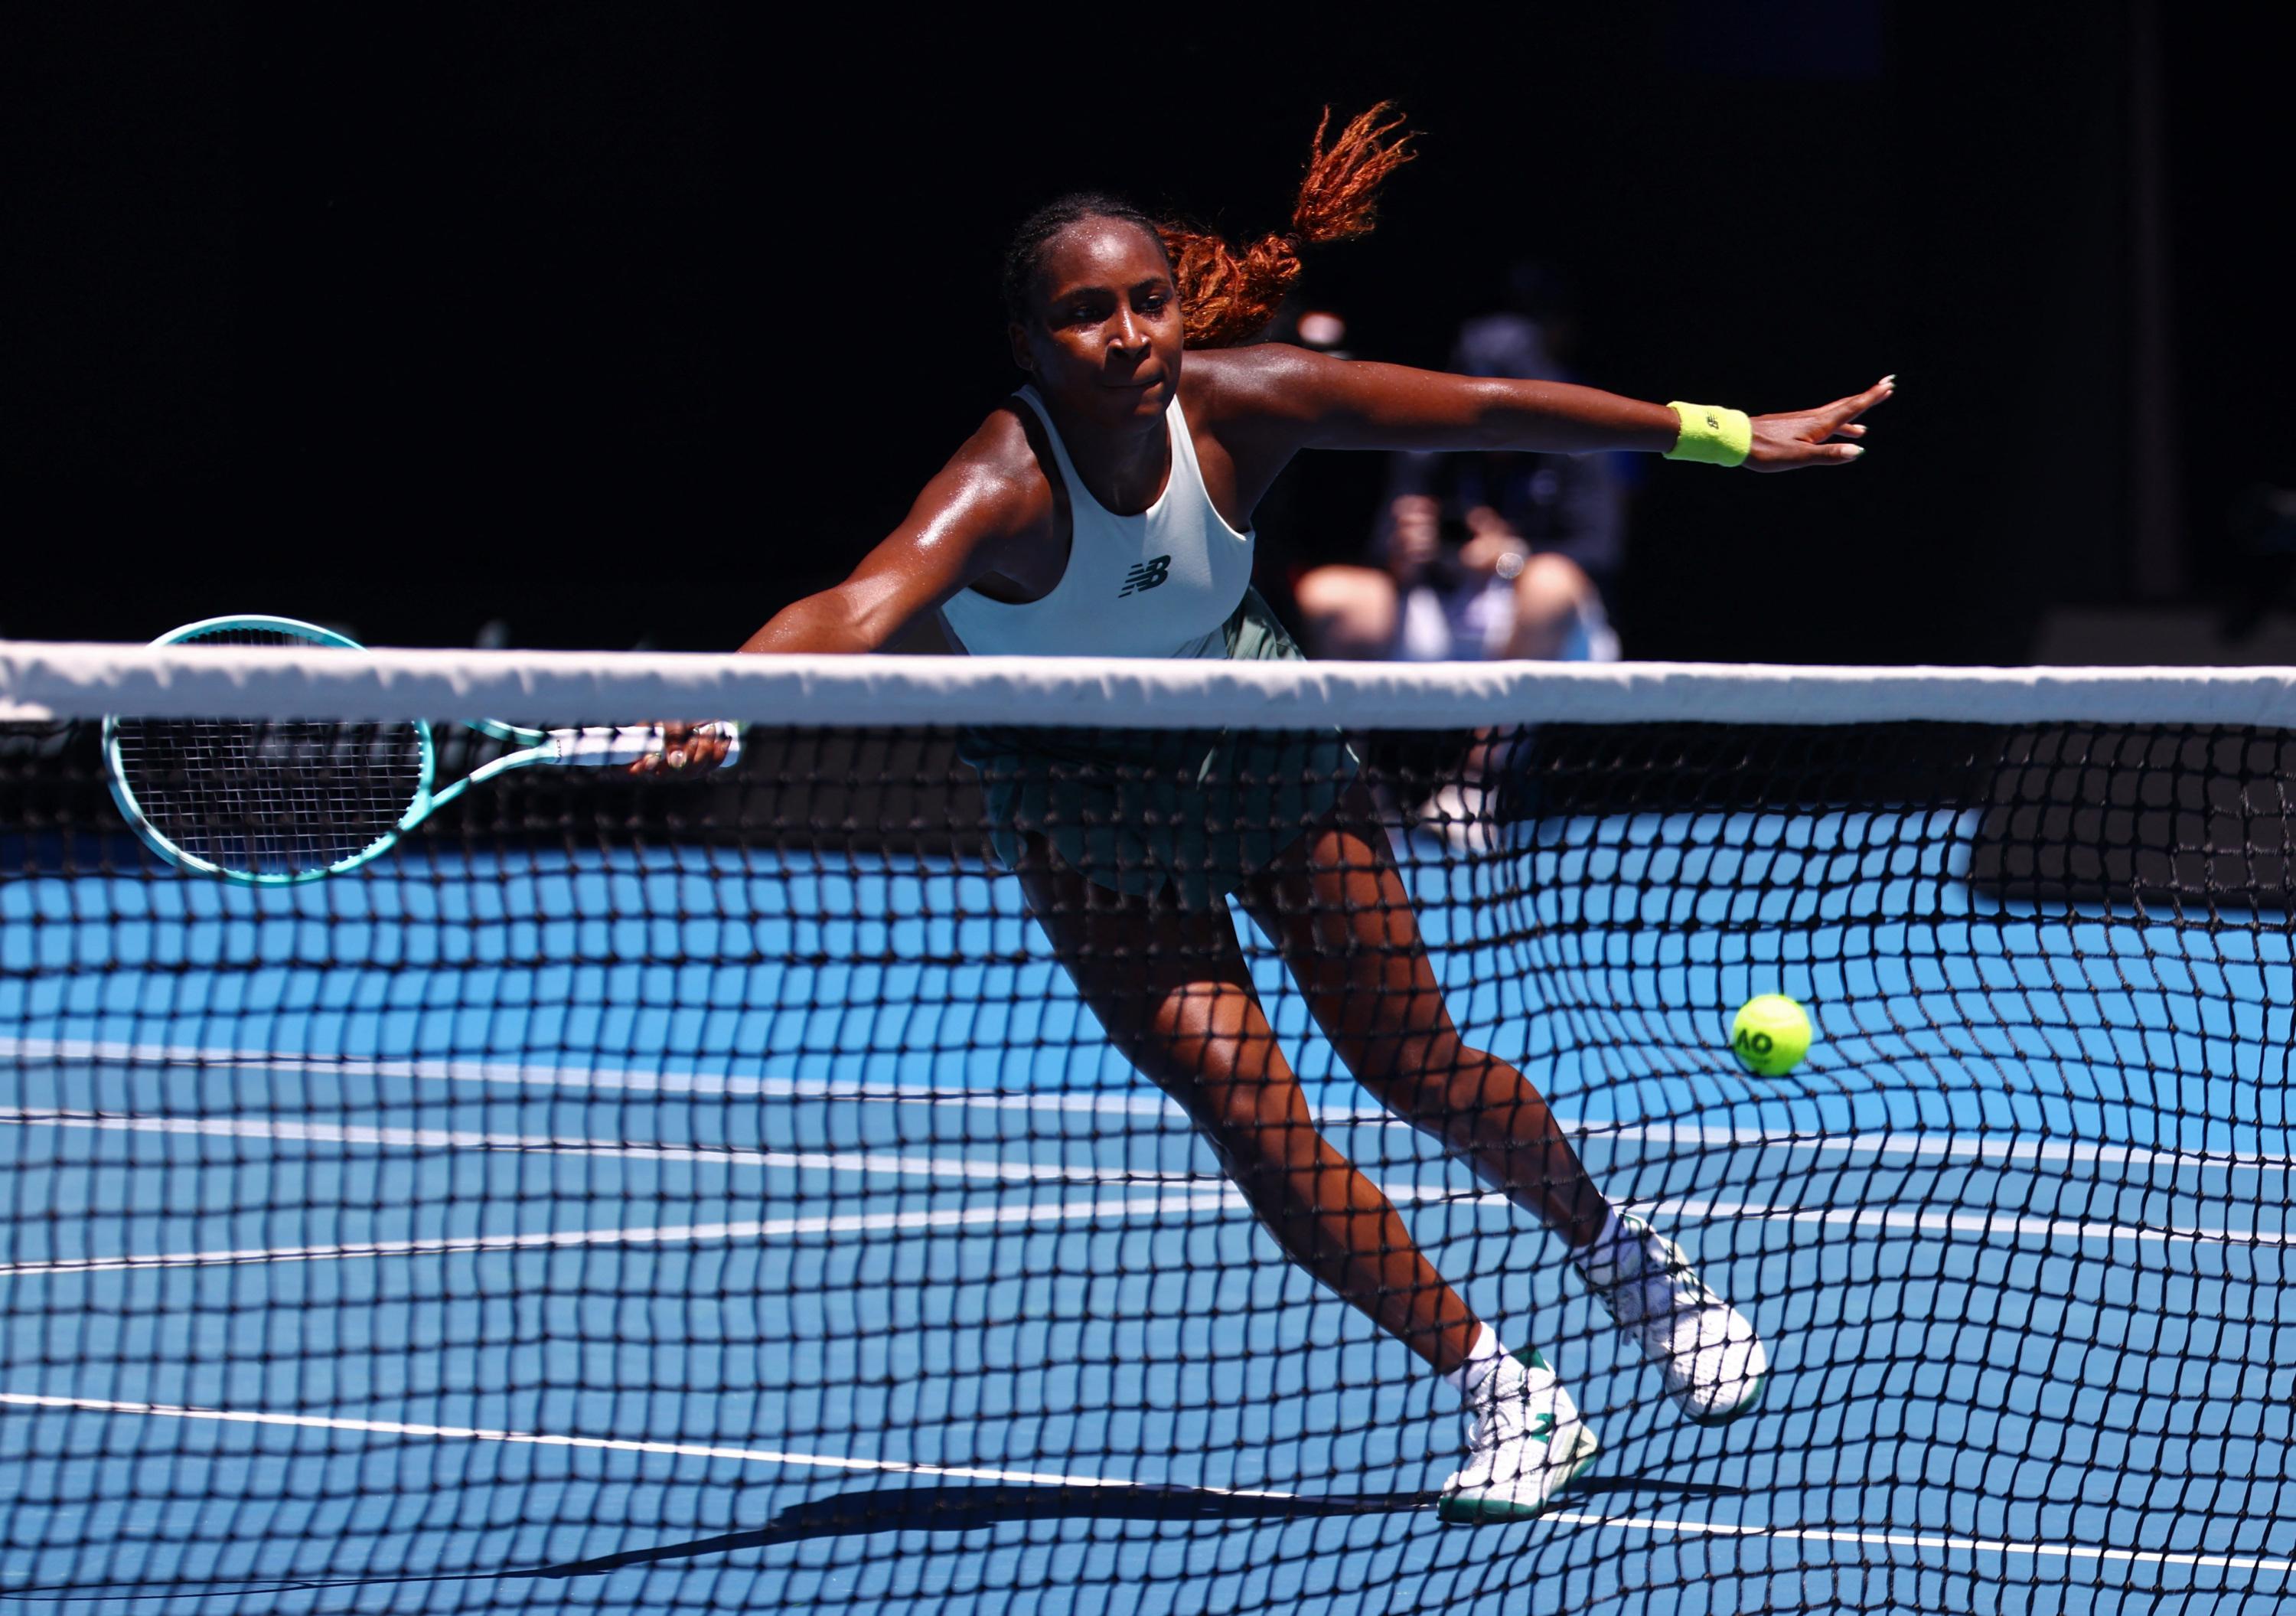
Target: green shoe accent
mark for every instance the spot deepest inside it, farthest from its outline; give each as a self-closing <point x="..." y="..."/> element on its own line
<point x="1590" y="1448"/>
<point x="1746" y="1405"/>
<point x="1461" y="1511"/>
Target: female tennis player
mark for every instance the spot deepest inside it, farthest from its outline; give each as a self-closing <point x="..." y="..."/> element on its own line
<point x="1106" y="510"/>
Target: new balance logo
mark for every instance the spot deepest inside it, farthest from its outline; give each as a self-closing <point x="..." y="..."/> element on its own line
<point x="1147" y="575"/>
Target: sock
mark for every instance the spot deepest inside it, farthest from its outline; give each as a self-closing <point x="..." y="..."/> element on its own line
<point x="1482" y="1361"/>
<point x="1617" y="1252"/>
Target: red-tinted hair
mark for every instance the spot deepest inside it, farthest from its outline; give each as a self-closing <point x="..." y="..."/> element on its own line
<point x="1228" y="297"/>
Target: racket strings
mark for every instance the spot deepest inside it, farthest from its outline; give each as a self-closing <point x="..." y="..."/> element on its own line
<point x="270" y="798"/>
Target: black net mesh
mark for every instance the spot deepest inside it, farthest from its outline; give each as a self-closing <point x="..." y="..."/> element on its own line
<point x="744" y="1192"/>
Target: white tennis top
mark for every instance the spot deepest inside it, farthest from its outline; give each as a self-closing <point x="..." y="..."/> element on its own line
<point x="1160" y="584"/>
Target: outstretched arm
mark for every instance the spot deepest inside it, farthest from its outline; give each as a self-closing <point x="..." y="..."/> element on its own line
<point x="977" y="520"/>
<point x="904" y="578"/>
<point x="1320" y="402"/>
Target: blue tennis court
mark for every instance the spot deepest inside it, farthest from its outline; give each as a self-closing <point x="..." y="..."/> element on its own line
<point x="480" y="1211"/>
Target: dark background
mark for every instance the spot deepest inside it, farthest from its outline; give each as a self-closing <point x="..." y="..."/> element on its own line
<point x="622" y="324"/>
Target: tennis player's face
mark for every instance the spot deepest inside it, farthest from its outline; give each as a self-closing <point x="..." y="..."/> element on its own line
<point x="1105" y="342"/>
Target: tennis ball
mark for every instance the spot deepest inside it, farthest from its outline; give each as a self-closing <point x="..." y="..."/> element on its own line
<point x="1771" y="1035"/>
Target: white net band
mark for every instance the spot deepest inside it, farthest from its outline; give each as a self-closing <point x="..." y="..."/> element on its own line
<point x="45" y="682"/>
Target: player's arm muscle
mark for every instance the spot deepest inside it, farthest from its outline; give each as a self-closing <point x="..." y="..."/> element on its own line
<point x="1342" y="403"/>
<point x="1272" y="400"/>
<point x="963" y="525"/>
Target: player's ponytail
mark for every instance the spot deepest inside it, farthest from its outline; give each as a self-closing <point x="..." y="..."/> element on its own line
<point x="1228" y="297"/>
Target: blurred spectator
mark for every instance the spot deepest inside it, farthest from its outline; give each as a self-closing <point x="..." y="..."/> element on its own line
<point x="1485" y="555"/>
<point x="1311" y="500"/>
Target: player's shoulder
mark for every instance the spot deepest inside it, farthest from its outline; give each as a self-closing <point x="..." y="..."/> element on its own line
<point x="998" y="473"/>
<point x="1260" y="379"/>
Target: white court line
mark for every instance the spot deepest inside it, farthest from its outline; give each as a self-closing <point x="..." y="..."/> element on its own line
<point x="1183" y="1203"/>
<point x="1925" y="1540"/>
<point x="1202" y="1193"/>
<point x="966" y="1168"/>
<point x="962" y="1169"/>
<point x="479" y="1433"/>
<point x="812" y="1461"/>
<point x="1989" y="1225"/>
<point x="1975" y="1148"/>
<point x="1949" y="1146"/>
<point x="280" y="1131"/>
<point x="1986" y="1224"/>
<point x="604" y="1079"/>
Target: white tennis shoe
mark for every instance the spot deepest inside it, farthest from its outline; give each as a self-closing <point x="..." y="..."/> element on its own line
<point x="1709" y="1355"/>
<point x="1525" y="1443"/>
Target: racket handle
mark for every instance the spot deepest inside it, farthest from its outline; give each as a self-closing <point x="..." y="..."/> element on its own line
<point x="619" y="747"/>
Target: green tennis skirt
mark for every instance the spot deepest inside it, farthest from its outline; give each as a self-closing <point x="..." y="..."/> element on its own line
<point x="1137" y="810"/>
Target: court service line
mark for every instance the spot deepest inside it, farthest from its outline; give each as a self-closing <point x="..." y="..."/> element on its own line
<point x="1182" y="1203"/>
<point x="1926" y="1540"/>
<point x="812" y="1461"/>
<point x="966" y="1168"/>
<point x="279" y="1130"/>
<point x="479" y="1433"/>
<point x="972" y="1169"/>
<point x="1988" y="1224"/>
<point x="1950" y="1146"/>
<point x="1206" y="1194"/>
<point x="578" y="1079"/>
<point x="1976" y="1148"/>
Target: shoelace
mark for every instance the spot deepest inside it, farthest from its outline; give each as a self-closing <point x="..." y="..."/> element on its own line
<point x="1674" y="1275"/>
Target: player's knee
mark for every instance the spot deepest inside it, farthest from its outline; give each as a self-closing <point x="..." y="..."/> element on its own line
<point x="1455" y="1093"/>
<point x="1250" y="1108"/>
<point x="1251" y="1119"/>
<point x="1412" y="1071"/>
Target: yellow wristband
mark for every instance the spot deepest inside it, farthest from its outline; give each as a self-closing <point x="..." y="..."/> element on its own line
<point x="1712" y="434"/>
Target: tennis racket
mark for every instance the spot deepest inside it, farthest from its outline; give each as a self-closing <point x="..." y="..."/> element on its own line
<point x="271" y="802"/>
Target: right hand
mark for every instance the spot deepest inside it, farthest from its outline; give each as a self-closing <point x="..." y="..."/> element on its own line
<point x="687" y="749"/>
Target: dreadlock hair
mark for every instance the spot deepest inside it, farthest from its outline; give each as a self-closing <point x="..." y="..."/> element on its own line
<point x="1227" y="297"/>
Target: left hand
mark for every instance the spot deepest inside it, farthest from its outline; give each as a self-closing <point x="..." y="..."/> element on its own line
<point x="1808" y="438"/>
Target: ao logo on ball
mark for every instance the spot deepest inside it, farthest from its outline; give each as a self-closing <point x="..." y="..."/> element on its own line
<point x="1771" y="1035"/>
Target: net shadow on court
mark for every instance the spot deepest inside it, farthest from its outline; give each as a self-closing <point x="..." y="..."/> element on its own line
<point x="973" y="1508"/>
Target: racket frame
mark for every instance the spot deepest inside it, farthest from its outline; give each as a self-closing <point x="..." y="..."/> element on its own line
<point x="536" y="747"/>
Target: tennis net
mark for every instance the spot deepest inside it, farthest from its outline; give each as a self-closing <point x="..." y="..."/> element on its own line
<point x="712" y="1192"/>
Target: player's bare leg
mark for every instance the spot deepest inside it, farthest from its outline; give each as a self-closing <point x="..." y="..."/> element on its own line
<point x="1172" y="988"/>
<point x="1337" y="906"/>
